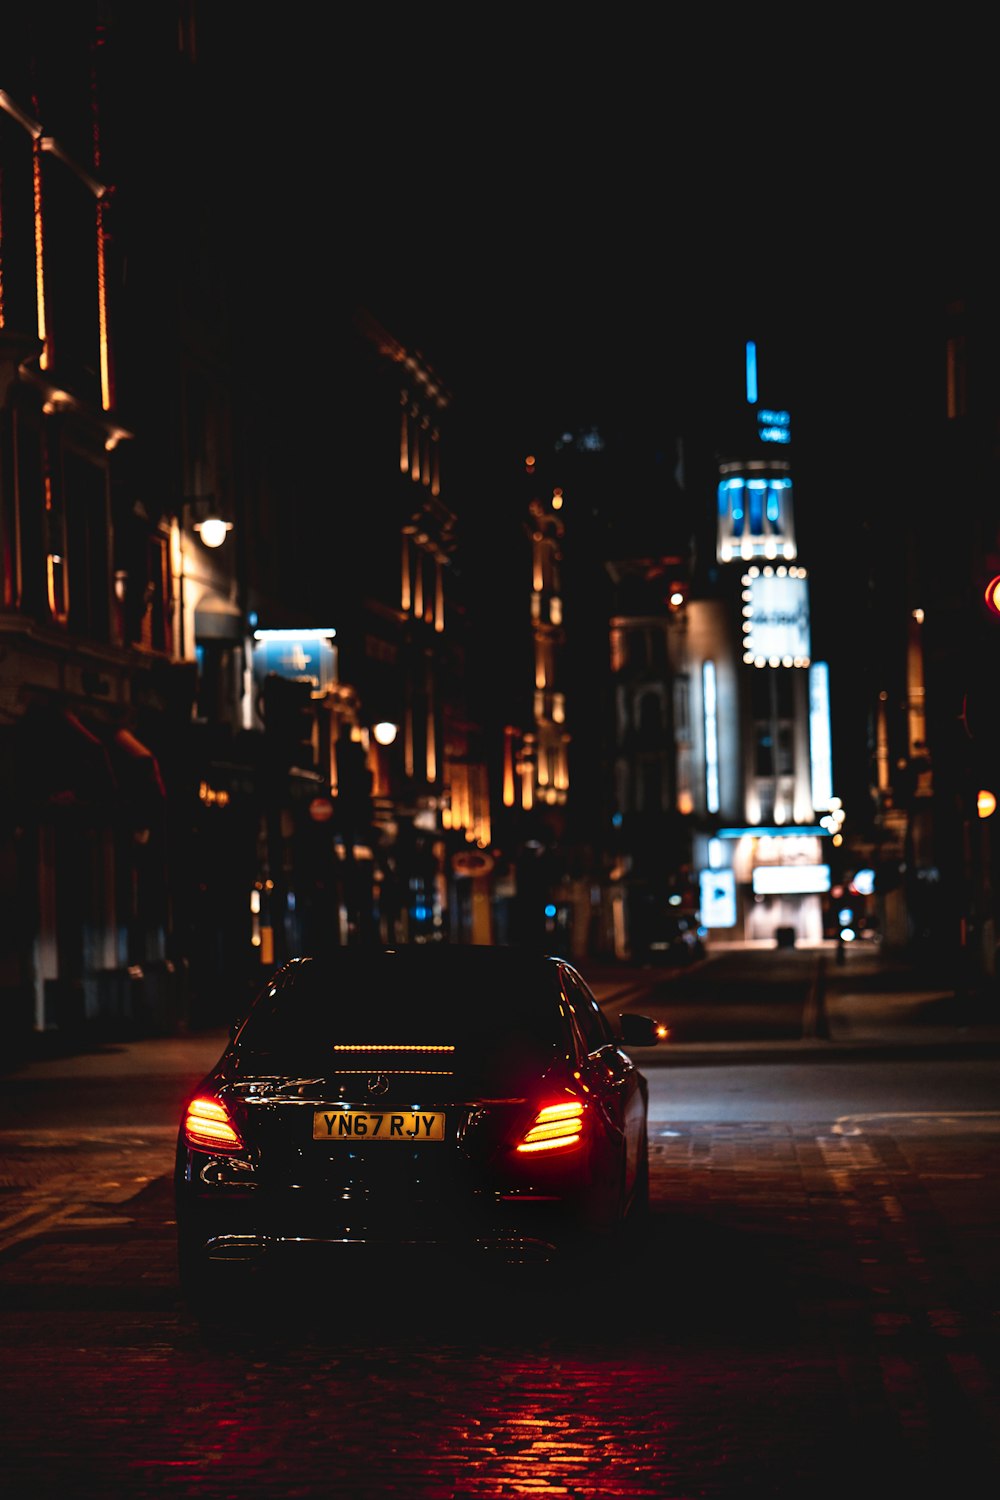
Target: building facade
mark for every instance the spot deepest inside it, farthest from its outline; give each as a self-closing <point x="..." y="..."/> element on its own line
<point x="259" y="691"/>
<point x="723" y="799"/>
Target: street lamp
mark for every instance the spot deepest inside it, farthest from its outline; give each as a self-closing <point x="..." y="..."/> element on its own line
<point x="385" y="732"/>
<point x="202" y="515"/>
<point x="199" y="582"/>
<point x="213" y="531"/>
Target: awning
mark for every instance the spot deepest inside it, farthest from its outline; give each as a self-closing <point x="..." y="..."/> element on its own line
<point x="217" y="619"/>
<point x="63" y="762"/>
<point x="137" y="772"/>
<point x="146" y="764"/>
<point x="66" y="762"/>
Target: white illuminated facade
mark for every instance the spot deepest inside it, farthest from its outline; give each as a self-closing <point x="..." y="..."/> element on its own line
<point x="710" y="708"/>
<point x="755" y="515"/>
<point x="764" y="858"/>
<point x="723" y="790"/>
<point x="820" y="751"/>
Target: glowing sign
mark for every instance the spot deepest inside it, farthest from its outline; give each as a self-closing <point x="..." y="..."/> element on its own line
<point x="790" y="880"/>
<point x="776" y="617"/>
<point x="296" y="653"/>
<point x="774" y="426"/>
<point x="711" y="737"/>
<point x="717" y="898"/>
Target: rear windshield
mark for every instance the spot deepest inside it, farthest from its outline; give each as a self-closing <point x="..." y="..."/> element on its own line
<point x="480" y="1005"/>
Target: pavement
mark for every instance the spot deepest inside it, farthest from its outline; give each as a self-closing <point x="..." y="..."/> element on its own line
<point x="857" y="999"/>
<point x="867" y="1002"/>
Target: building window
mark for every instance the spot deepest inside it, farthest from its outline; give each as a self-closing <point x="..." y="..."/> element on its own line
<point x="772" y="702"/>
<point x="650" y="719"/>
<point x="682" y="710"/>
<point x="763" y="759"/>
<point x="651" y="792"/>
<point x="156" y="622"/>
<point x="637" y="650"/>
<point x="88" y="561"/>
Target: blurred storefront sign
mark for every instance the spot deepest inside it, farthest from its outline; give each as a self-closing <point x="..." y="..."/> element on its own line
<point x="306" y="654"/>
<point x="471" y="862"/>
<point x="717" y="898"/>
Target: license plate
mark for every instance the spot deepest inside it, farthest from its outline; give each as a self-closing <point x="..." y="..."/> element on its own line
<point x="409" y="1126"/>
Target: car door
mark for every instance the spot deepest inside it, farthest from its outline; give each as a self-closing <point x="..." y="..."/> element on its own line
<point x="621" y="1082"/>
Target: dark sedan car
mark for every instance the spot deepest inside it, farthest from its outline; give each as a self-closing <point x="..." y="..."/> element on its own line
<point x="468" y="1101"/>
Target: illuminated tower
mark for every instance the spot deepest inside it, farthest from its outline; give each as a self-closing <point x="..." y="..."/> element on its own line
<point x="768" y="871"/>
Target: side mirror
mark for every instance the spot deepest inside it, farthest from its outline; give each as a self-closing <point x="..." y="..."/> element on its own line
<point x="639" y="1031"/>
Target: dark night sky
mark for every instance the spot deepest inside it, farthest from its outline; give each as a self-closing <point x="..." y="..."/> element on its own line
<point x="573" y="224"/>
<point x="564" y="215"/>
<point x="567" y="198"/>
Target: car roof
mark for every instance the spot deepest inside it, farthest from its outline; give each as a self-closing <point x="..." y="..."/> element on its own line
<point x="474" y="957"/>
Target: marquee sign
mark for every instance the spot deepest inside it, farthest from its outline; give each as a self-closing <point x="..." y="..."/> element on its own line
<point x="776" y="617"/>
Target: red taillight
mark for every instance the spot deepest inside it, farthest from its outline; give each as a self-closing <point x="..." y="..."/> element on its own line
<point x="555" y="1127"/>
<point x="207" y="1124"/>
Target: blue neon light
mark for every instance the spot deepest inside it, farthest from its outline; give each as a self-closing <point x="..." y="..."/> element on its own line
<point x="786" y="831"/>
<point x="774" y="426"/>
<point x="752" y="373"/>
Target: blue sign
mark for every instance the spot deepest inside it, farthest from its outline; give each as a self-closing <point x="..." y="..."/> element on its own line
<point x="299" y="654"/>
<point x="774" y="426"/>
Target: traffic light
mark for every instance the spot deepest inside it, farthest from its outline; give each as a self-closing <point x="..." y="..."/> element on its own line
<point x="286" y="706"/>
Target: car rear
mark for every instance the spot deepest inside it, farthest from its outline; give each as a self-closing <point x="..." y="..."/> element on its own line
<point x="393" y="1122"/>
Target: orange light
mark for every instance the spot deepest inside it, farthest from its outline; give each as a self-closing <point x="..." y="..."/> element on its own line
<point x="556" y="1126"/>
<point x="662" y="1032"/>
<point x="992" y="595"/>
<point x="986" y="804"/>
<point x="393" y="1047"/>
<point x="208" y="1124"/>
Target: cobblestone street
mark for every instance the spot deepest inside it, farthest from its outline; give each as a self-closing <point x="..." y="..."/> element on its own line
<point x="809" y="1314"/>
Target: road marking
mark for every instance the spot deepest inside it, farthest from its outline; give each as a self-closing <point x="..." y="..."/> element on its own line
<point x="854" y="1124"/>
<point x="118" y="1135"/>
<point x="38" y="1226"/>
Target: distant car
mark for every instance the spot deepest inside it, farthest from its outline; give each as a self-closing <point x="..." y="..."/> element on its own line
<point x="679" y="941"/>
<point x="468" y="1101"/>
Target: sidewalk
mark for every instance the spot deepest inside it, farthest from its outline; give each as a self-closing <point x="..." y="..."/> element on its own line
<point x="869" y="1001"/>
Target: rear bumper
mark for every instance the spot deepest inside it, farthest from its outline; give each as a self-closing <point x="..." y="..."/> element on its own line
<point x="256" y="1227"/>
<point x="267" y="1252"/>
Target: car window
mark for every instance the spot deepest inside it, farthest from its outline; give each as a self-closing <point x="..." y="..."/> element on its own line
<point x="590" y="1019"/>
<point x="404" y="999"/>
